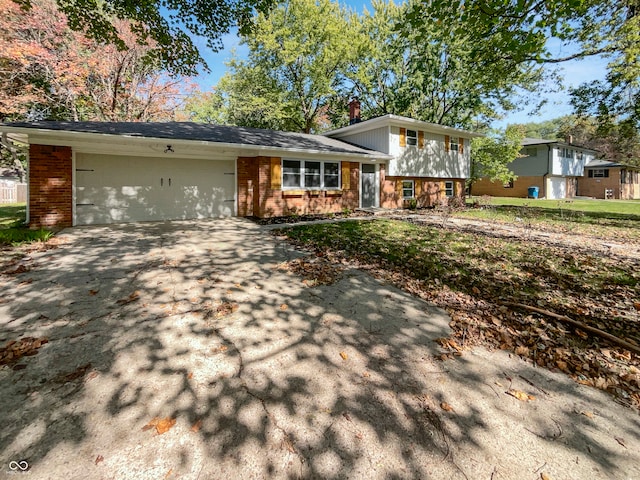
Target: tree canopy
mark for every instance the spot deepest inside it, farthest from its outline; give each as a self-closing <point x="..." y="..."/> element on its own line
<point x="170" y="27"/>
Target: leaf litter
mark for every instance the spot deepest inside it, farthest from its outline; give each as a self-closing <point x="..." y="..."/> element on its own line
<point x="472" y="275"/>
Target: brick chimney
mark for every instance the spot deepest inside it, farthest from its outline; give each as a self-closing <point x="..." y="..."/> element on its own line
<point x="354" y="111"/>
<point x="568" y="139"/>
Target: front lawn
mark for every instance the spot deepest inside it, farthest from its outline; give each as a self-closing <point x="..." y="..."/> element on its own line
<point x="619" y="219"/>
<point x="12" y="230"/>
<point x="473" y="275"/>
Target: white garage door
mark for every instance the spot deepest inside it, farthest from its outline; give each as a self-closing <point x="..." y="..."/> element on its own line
<point x="112" y="189"/>
<point x="557" y="188"/>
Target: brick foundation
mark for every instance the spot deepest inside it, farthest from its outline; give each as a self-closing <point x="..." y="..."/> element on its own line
<point x="429" y="192"/>
<point x="50" y="186"/>
<point x="520" y="187"/>
<point x="258" y="196"/>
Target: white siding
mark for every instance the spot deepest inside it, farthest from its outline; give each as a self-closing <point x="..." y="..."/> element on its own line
<point x="376" y="139"/>
<point x="430" y="161"/>
<point x="570" y="166"/>
<point x="556" y="188"/>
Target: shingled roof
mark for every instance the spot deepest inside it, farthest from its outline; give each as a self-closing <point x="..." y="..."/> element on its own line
<point x="205" y="133"/>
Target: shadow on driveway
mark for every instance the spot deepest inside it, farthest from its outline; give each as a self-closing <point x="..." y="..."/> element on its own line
<point x="266" y="377"/>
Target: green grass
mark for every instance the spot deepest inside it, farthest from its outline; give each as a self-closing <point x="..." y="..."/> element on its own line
<point x="609" y="219"/>
<point x="12" y="230"/>
<point x="12" y="215"/>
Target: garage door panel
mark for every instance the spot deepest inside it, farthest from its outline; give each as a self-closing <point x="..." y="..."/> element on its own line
<point x="112" y="189"/>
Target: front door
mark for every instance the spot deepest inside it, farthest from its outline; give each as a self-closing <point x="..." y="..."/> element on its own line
<point x="369" y="189"/>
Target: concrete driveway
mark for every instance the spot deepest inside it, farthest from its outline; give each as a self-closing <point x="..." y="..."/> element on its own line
<point x="266" y="375"/>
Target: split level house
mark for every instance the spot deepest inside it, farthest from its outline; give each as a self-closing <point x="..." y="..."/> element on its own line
<point x="99" y="172"/>
<point x="552" y="166"/>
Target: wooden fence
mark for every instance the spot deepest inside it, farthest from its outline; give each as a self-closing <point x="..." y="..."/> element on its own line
<point x="12" y="192"/>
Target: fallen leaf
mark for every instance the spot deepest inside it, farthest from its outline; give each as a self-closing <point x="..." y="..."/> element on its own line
<point x="190" y="376"/>
<point x="131" y="298"/>
<point x="620" y="441"/>
<point x="99" y="459"/>
<point x="366" y="374"/>
<point x="636" y="305"/>
<point x="195" y="428"/>
<point x="168" y="473"/>
<point x="344" y="355"/>
<point x="544" y="476"/>
<point x="446" y="407"/>
<point x="93" y="292"/>
<point x="283" y="306"/>
<point x="587" y="414"/>
<point x="520" y="395"/>
<point x="346" y="415"/>
<point x="164" y="425"/>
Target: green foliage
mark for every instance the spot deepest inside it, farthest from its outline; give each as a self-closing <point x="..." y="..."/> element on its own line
<point x="171" y="26"/>
<point x="519" y="32"/>
<point x="491" y="155"/>
<point x="298" y="58"/>
<point x="428" y="70"/>
<point x="17" y="236"/>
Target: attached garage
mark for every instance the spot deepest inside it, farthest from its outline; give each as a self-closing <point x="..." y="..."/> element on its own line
<point x="120" y="188"/>
<point x="556" y="188"/>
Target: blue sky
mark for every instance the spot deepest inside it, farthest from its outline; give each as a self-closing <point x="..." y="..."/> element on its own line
<point x="573" y="72"/>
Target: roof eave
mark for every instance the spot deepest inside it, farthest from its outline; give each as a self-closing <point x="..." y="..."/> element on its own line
<point x="73" y="135"/>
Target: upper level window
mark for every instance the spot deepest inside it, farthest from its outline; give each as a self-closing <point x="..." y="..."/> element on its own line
<point x="566" y="153"/>
<point x="412" y="137"/>
<point x="455" y="143"/>
<point x="580" y="156"/>
<point x="530" y="151"/>
<point x="310" y="174"/>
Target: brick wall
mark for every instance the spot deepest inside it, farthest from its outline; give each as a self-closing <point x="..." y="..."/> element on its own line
<point x="50" y="186"/>
<point x="429" y="192"/>
<point x="258" y="196"/>
<point x="595" y="187"/>
<point x="519" y="190"/>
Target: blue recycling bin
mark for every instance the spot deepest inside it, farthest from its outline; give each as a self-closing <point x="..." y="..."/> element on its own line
<point x="533" y="192"/>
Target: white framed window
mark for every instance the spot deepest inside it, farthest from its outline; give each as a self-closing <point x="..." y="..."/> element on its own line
<point x="310" y="174"/>
<point x="448" y="189"/>
<point x="408" y="189"/>
<point x="412" y="137"/>
<point x="455" y="144"/>
<point x="566" y="153"/>
<point x="599" y="173"/>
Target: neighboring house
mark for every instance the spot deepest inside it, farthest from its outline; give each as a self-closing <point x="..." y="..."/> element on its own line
<point x="554" y="167"/>
<point x="604" y="179"/>
<point x="98" y="173"/>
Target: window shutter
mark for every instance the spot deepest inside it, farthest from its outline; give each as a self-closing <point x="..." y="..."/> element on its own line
<point x="590" y="174"/>
<point x="420" y="139"/>
<point x="403" y="137"/>
<point x="461" y="145"/>
<point x="447" y="143"/>
<point x="417" y="188"/>
<point x="346" y="176"/>
<point x="399" y="189"/>
<point x="276" y="174"/>
<point x="606" y="173"/>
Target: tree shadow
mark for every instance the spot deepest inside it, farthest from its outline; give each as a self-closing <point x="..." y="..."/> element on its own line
<point x="265" y="376"/>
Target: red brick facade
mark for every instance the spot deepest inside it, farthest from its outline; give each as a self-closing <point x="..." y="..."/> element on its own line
<point x="261" y="195"/>
<point x="596" y="187"/>
<point x="520" y="188"/>
<point x="428" y="192"/>
<point x="50" y="186"/>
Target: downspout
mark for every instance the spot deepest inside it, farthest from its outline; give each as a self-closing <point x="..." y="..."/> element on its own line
<point x="544" y="177"/>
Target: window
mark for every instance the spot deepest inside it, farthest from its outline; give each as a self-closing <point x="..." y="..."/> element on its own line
<point x="448" y="189"/>
<point x="454" y="144"/>
<point x="291" y="173"/>
<point x="599" y="173"/>
<point x="508" y="184"/>
<point x="310" y="174"/>
<point x="580" y="156"/>
<point x="408" y="189"/>
<point x="530" y="151"/>
<point x="412" y="137"/>
<point x="331" y="175"/>
<point x="566" y="153"/>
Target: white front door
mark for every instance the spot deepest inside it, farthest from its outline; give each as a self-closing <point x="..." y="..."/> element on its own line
<point x="116" y="188"/>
